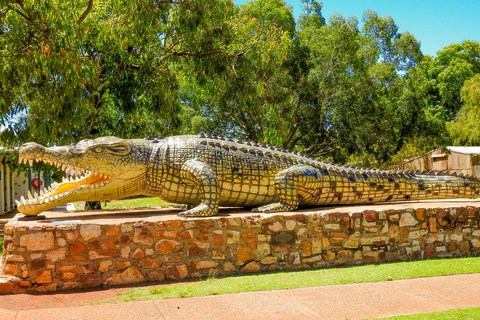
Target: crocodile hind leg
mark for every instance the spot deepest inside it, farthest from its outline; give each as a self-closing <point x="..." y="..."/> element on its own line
<point x="200" y="175"/>
<point x="287" y="185"/>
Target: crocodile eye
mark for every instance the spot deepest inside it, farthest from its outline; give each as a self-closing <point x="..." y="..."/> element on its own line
<point x="98" y="149"/>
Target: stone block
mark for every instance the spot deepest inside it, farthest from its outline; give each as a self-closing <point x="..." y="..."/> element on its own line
<point x="206" y="264"/>
<point x="156" y="275"/>
<point x="250" y="267"/>
<point x="38" y="241"/>
<point x="352" y="241"/>
<point x="130" y="275"/>
<point x="143" y="236"/>
<point x="217" y="237"/>
<point x="105" y="265"/>
<point x="232" y="236"/>
<point x="268" y="260"/>
<point x="112" y="231"/>
<point x="244" y="255"/>
<point x="77" y="247"/>
<point x="151" y="263"/>
<point x="56" y="255"/>
<point x="166" y="246"/>
<point x="90" y="231"/>
<point x="407" y="220"/>
<point x="217" y="254"/>
<point x="44" y="277"/>
<point x="306" y="249"/>
<point x="90" y="280"/>
<point x="250" y="239"/>
<point x="198" y="249"/>
<point x="177" y="272"/>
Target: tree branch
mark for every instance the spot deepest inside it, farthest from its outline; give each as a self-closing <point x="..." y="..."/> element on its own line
<point x="22" y="14"/>
<point x="86" y="12"/>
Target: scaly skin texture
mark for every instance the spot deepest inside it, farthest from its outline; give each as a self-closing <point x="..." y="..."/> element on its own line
<point x="205" y="171"/>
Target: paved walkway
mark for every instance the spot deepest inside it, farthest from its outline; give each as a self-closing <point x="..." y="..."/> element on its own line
<point x="353" y="301"/>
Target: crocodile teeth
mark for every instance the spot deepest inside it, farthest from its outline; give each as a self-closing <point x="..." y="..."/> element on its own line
<point x="17" y="203"/>
<point x="29" y="195"/>
<point x="30" y="162"/>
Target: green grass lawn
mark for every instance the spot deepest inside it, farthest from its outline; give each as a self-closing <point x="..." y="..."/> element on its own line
<point x="463" y="314"/>
<point x="309" y="278"/>
<point x="129" y="203"/>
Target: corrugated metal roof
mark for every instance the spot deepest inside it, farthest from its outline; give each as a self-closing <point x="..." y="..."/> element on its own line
<point x="465" y="150"/>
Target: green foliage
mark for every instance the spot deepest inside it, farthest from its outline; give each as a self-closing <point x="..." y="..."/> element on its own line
<point x="75" y="70"/>
<point x="465" y="129"/>
<point x="464" y="314"/>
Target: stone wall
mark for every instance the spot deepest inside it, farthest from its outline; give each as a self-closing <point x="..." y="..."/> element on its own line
<point x="40" y="257"/>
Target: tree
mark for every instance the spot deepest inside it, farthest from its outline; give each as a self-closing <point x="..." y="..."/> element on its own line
<point x="465" y="129"/>
<point x="245" y="101"/>
<point x="70" y="71"/>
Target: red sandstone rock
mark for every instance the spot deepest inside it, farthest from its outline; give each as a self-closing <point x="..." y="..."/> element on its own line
<point x="156" y="275"/>
<point x="197" y="249"/>
<point x="244" y="255"/>
<point x="465" y="246"/>
<point x="306" y="249"/>
<point x="202" y="235"/>
<point x="143" y="236"/>
<point x="173" y="224"/>
<point x="6" y="286"/>
<point x="187" y="234"/>
<point x="329" y="255"/>
<point x="167" y="234"/>
<point x="38" y="241"/>
<point x="370" y="216"/>
<point x="217" y="254"/>
<point x="176" y="272"/>
<point x="131" y="275"/>
<point x="120" y="265"/>
<point x="250" y="239"/>
<point x="138" y="254"/>
<point x="105" y="265"/>
<point x="166" y="246"/>
<point x="217" y="237"/>
<point x="251" y="267"/>
<point x="232" y="236"/>
<point x="90" y="231"/>
<point x="151" y="263"/>
<point x="428" y="252"/>
<point x="90" y="280"/>
<point x="112" y="231"/>
<point x="77" y="247"/>
<point x="420" y="213"/>
<point x="206" y="264"/>
<point x="44" y="277"/>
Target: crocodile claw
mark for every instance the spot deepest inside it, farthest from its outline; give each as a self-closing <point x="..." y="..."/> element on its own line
<point x="202" y="210"/>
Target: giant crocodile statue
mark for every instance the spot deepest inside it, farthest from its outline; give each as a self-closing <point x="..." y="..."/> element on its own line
<point x="205" y="171"/>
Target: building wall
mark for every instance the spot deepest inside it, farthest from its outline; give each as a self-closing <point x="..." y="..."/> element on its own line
<point x="458" y="162"/>
<point x="13" y="185"/>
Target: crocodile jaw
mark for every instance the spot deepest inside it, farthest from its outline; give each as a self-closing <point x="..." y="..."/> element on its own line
<point x="85" y="185"/>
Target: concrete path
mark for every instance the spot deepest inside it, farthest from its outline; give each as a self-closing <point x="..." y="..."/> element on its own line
<point x="353" y="301"/>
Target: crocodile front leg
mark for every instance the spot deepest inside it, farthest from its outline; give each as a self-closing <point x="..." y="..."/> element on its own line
<point x="201" y="175"/>
<point x="287" y="185"/>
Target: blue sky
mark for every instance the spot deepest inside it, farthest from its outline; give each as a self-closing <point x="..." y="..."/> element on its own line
<point x="436" y="24"/>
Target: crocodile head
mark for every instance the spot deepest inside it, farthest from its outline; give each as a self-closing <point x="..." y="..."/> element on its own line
<point x="106" y="168"/>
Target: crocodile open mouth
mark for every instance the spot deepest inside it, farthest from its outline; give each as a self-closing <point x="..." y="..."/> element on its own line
<point x="78" y="180"/>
